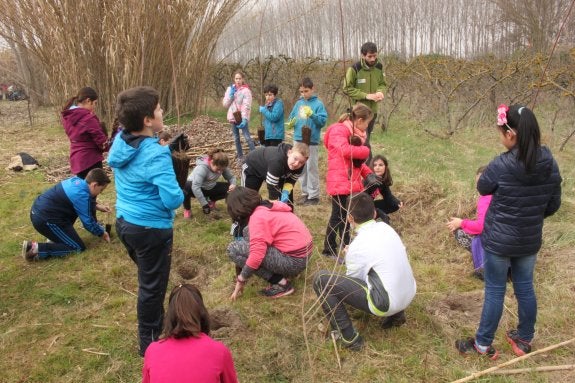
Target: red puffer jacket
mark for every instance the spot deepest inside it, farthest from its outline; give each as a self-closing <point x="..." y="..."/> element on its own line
<point x="342" y="177"/>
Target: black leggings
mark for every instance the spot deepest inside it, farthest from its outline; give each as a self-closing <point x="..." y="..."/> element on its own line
<point x="337" y="225"/>
<point x="218" y="192"/>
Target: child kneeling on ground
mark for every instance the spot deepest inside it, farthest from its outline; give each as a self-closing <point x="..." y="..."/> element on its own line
<point x="378" y="280"/>
<point x="54" y="212"/>
<point x="275" y="245"/>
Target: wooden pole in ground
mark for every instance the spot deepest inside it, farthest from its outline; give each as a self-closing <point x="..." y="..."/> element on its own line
<point x="535" y="369"/>
<point x="513" y="361"/>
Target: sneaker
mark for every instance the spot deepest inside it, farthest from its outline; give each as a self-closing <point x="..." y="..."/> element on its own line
<point x="311" y="201"/>
<point x="467" y="347"/>
<point x="187" y="214"/>
<point x="30" y="251"/>
<point x="354" y="344"/>
<point x="520" y="347"/>
<point x="302" y="199"/>
<point x="394" y="320"/>
<point x="277" y="291"/>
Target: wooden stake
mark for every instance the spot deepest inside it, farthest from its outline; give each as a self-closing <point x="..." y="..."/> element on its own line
<point x="513" y="361"/>
<point x="335" y="349"/>
<point x="535" y="369"/>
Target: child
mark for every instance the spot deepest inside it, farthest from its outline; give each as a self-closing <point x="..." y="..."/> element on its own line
<point x="164" y="138"/>
<point x="146" y="195"/>
<point x="468" y="232"/>
<point x="276" y="244"/>
<point x="309" y="111"/>
<point x="88" y="141"/>
<point x="273" y="117"/>
<point x="378" y="280"/>
<point x="54" y="212"/>
<point x="238" y="100"/>
<point x="279" y="166"/>
<point x="526" y="187"/>
<point x="202" y="182"/>
<point x="343" y="175"/>
<point x="388" y="203"/>
<point x="186" y="353"/>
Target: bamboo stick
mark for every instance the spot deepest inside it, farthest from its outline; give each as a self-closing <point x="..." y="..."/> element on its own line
<point x="535" y="369"/>
<point x="513" y="361"/>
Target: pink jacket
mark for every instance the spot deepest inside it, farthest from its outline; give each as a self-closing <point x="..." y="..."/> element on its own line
<point x="87" y="139"/>
<point x="280" y="228"/>
<point x="342" y="177"/>
<point x="191" y="359"/>
<point x="242" y="101"/>
<point x="475" y="227"/>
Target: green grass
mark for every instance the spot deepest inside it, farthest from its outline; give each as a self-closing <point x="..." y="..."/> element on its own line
<point x="74" y="319"/>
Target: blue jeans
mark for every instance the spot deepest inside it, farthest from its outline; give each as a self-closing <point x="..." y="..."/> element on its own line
<point x="247" y="137"/>
<point x="495" y="284"/>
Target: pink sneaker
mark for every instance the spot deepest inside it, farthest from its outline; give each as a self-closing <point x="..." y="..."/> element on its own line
<point x="187" y="214"/>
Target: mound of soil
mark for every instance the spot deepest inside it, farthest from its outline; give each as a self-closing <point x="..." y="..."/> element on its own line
<point x="224" y="322"/>
<point x="455" y="310"/>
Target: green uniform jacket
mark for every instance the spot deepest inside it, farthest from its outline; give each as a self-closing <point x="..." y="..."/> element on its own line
<point x="361" y="80"/>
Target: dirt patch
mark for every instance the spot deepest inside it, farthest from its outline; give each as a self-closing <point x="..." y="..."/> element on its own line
<point x="224" y="322"/>
<point x="455" y="310"/>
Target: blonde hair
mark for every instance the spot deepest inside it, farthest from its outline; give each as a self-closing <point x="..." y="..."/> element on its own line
<point x="301" y="148"/>
<point x="359" y="110"/>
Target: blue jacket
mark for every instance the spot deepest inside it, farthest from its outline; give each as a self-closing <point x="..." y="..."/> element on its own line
<point x="514" y="221"/>
<point x="146" y="188"/>
<point x="273" y="120"/>
<point x="65" y="202"/>
<point x="315" y="122"/>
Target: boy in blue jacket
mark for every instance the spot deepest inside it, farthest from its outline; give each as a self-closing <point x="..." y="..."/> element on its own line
<point x="54" y="212"/>
<point x="272" y="117"/>
<point x="147" y="195"/>
<point x="309" y="111"/>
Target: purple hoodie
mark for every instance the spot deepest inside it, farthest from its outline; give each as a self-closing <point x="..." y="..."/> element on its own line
<point x="87" y="139"/>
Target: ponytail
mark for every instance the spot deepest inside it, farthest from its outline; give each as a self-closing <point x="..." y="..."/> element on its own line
<point x="359" y="110"/>
<point x="83" y="94"/>
<point x="525" y="123"/>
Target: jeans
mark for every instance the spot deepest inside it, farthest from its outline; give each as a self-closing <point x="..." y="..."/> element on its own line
<point x="247" y="137"/>
<point x="150" y="249"/>
<point x="310" y="174"/>
<point x="495" y="283"/>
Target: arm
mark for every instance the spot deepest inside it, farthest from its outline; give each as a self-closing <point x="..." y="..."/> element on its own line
<point x="246" y="105"/>
<point x="229" y="176"/>
<point x="277" y="112"/>
<point x="475" y="227"/>
<point x="319" y="116"/>
<point x="555" y="201"/>
<point x="391" y="204"/>
<point x="95" y="130"/>
<point x="228" y="371"/>
<point x="161" y="174"/>
<point x="198" y="176"/>
<point x="349" y="85"/>
<point x="381" y="85"/>
<point x="487" y="183"/>
<point x="228" y="99"/>
<point x="83" y="206"/>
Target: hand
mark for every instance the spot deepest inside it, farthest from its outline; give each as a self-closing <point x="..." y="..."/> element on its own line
<point x="106" y="237"/>
<point x="454" y="223"/>
<point x="400" y="204"/>
<point x="373" y="179"/>
<point x="305" y="112"/>
<point x="232" y="90"/>
<point x="103" y="208"/>
<point x="238" y="290"/>
<point x="285" y="196"/>
<point x="379" y="96"/>
<point x="291" y="123"/>
<point x="231" y="188"/>
<point x="206" y="209"/>
<point x="243" y="124"/>
<point x="262" y="109"/>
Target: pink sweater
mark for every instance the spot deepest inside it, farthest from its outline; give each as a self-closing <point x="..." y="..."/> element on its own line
<point x="475" y="227"/>
<point x="280" y="228"/>
<point x="190" y="359"/>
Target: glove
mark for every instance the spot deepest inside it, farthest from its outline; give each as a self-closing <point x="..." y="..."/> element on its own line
<point x="307" y="111"/>
<point x="206" y="209"/>
<point x="243" y="124"/>
<point x="291" y="123"/>
<point x="285" y="196"/>
<point x="262" y="109"/>
<point x="371" y="183"/>
<point x="232" y="90"/>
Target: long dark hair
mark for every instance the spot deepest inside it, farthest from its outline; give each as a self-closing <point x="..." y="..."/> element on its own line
<point x="186" y="315"/>
<point x="84" y="94"/>
<point x="525" y="124"/>
<point x="386" y="178"/>
<point x="241" y="203"/>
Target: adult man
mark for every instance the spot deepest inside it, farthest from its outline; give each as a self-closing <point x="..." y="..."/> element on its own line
<point x="365" y="82"/>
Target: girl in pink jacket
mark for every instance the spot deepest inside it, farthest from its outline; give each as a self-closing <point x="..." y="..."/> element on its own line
<point x="346" y="169"/>
<point x="238" y="100"/>
<point x="467" y="231"/>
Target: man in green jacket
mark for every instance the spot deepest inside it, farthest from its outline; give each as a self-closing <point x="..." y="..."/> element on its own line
<point x="365" y="82"/>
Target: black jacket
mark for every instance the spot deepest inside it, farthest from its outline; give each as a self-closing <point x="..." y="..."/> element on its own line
<point x="514" y="221"/>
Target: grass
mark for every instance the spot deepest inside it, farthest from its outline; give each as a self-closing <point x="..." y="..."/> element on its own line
<point x="74" y="319"/>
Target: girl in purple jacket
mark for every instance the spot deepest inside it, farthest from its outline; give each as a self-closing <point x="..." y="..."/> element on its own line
<point x="88" y="140"/>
